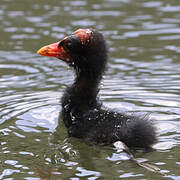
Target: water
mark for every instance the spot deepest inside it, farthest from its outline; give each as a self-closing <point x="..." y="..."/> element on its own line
<point x="143" y="77"/>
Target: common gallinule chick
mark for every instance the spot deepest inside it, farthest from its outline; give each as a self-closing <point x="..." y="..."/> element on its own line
<point x="83" y="114"/>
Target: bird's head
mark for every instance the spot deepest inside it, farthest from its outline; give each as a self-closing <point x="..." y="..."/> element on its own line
<point x="84" y="49"/>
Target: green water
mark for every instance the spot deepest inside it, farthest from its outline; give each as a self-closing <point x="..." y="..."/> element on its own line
<point x="143" y="76"/>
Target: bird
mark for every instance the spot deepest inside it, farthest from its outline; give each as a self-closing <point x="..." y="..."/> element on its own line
<point x="83" y="114"/>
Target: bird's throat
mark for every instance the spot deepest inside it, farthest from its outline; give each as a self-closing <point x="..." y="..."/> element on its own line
<point x="86" y="86"/>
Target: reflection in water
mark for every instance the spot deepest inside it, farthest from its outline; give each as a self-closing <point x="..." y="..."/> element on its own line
<point x="143" y="77"/>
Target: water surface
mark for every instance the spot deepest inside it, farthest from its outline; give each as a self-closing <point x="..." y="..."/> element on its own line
<point x="143" y="76"/>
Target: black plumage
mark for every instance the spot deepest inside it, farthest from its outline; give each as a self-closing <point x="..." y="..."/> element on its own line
<point x="83" y="114"/>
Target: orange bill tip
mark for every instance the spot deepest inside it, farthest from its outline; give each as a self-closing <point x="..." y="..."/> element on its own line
<point x="42" y="50"/>
<point x="51" y="50"/>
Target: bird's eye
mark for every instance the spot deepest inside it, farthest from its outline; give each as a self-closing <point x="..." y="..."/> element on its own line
<point x="72" y="44"/>
<point x="61" y="43"/>
<point x="69" y="45"/>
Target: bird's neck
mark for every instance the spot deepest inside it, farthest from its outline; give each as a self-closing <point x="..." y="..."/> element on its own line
<point x="82" y="94"/>
<point x="86" y="87"/>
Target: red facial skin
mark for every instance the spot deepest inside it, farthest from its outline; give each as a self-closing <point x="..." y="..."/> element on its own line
<point x="84" y="35"/>
<point x="57" y="50"/>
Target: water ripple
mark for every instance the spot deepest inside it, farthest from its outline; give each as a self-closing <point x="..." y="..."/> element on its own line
<point x="143" y="77"/>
